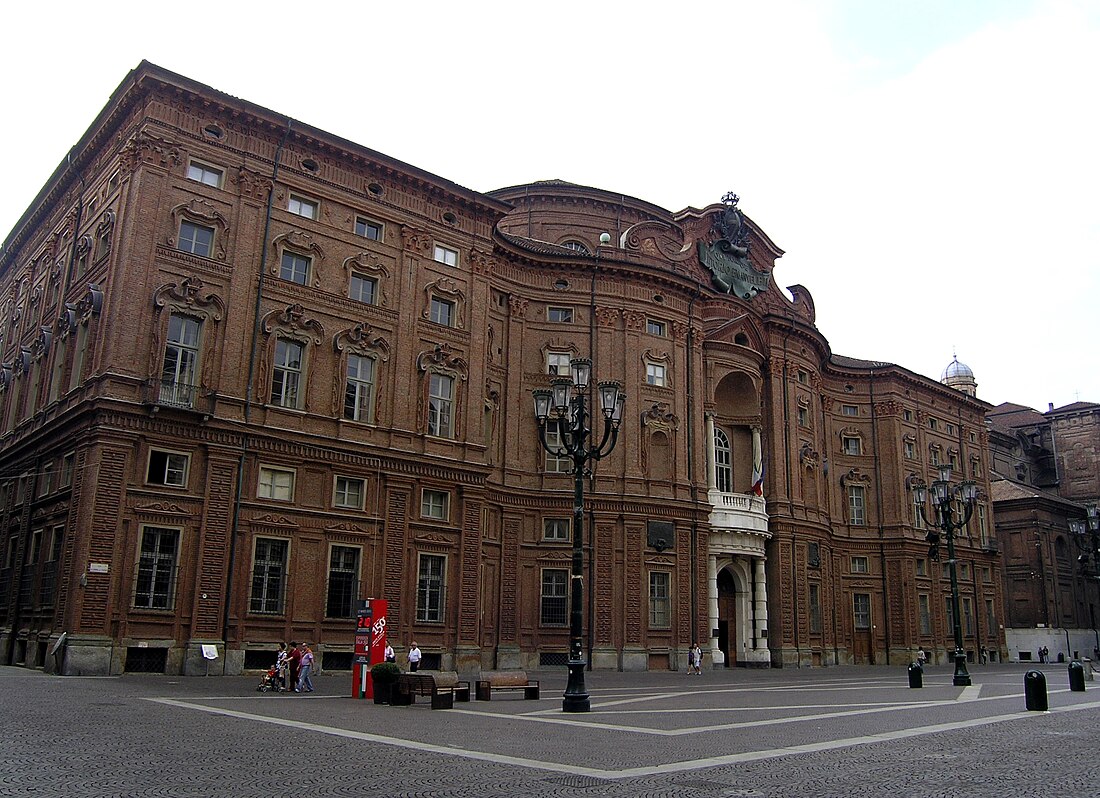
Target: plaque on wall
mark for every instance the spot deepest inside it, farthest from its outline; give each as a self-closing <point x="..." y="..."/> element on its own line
<point x="661" y="535"/>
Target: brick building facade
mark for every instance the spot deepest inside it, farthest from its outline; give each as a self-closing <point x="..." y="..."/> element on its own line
<point x="252" y="373"/>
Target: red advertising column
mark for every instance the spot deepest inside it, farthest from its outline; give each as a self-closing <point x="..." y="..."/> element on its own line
<point x="370" y="645"/>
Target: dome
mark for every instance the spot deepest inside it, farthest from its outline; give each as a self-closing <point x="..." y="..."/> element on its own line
<point x="957" y="369"/>
<point x="960" y="377"/>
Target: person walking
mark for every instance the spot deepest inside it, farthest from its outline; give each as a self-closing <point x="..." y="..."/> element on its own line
<point x="388" y="654"/>
<point x="281" y="665"/>
<point x="922" y="657"/>
<point x="294" y="662"/>
<point x="414" y="658"/>
<point x="305" y="683"/>
<point x="695" y="660"/>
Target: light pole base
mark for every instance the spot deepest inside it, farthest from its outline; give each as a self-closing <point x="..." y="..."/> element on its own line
<point x="962" y="676"/>
<point x="576" y="694"/>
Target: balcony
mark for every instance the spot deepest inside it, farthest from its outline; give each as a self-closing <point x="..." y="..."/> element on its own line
<point x="738" y="512"/>
<point x="179" y="395"/>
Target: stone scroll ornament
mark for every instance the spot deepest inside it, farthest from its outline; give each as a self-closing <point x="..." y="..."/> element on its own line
<point x="727" y="258"/>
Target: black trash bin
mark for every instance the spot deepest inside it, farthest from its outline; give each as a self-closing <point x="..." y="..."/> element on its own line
<point x="1035" y="691"/>
<point x="1076" y="677"/>
<point x="916" y="675"/>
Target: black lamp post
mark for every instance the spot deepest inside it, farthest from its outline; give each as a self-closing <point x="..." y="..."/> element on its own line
<point x="563" y="409"/>
<point x="948" y="504"/>
<point x="1086" y="534"/>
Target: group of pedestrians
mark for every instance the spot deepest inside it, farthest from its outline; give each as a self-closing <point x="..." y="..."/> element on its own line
<point x="295" y="667"/>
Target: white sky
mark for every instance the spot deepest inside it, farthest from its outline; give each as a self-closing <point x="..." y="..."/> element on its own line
<point x="930" y="168"/>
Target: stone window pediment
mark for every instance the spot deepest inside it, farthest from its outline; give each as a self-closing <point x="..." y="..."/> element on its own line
<point x="201" y="212"/>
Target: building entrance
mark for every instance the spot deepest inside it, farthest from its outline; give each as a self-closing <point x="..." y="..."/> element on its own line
<point x="727" y="617"/>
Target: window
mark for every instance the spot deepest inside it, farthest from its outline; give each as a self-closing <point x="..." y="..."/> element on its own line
<point x="557" y="363"/>
<point x="950" y="606"/>
<point x="435" y="504"/>
<point x="430" y="588"/>
<point x="975" y="467"/>
<point x="287" y="374"/>
<point x="576" y="246"/>
<point x="968" y="617"/>
<point x="442" y="311"/>
<point x="932" y="423"/>
<point x="554" y="598"/>
<point x="102" y="242"/>
<point x="910" y="450"/>
<point x="167" y="468"/>
<point x="660" y="600"/>
<point x="268" y="575"/>
<point x="987" y="575"/>
<point x="922" y="566"/>
<point x="803" y="377"/>
<point x="348" y="493"/>
<point x="30" y="557"/>
<point x="363" y="289"/>
<point x="9" y="560"/>
<point x="852" y="445"/>
<point x="556" y="529"/>
<point x="359" y="389"/>
<point x="45" y="481"/>
<point x="990" y="616"/>
<point x="196" y="239"/>
<point x="934" y="456"/>
<point x="654" y="374"/>
<point x="803" y="417"/>
<point x="66" y="477"/>
<point x="723" y="462"/>
<point x="907" y="415"/>
<point x="201" y="173"/>
<point x="295" y="267"/>
<point x="276" y="483"/>
<point x="179" y="373"/>
<point x="302" y="206"/>
<point x="556" y="464"/>
<point x="950" y="429"/>
<point x="57" y="541"/>
<point x="560" y="315"/>
<point x="446" y="255"/>
<point x="368" y="228"/>
<point x="861" y="610"/>
<point x="964" y="570"/>
<point x="156" y="576"/>
<point x="856" y="505"/>
<point x="859" y="565"/>
<point x="953" y="459"/>
<point x="343" y="582"/>
<point x="440" y="405"/>
<point x="925" y="614"/>
<point x="850" y="410"/>
<point x="815" y="609"/>
<point x="654" y="327"/>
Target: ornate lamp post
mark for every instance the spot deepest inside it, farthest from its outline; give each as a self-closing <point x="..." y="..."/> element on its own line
<point x="563" y="409"/>
<point x="1086" y="534"/>
<point x="951" y="510"/>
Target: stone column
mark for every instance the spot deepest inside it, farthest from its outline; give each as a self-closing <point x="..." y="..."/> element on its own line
<point x="717" y="657"/>
<point x="760" y="654"/>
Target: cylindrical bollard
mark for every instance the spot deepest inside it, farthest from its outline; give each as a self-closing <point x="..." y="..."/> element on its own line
<point x="1035" y="691"/>
<point x="1076" y="677"/>
<point x="916" y="675"/>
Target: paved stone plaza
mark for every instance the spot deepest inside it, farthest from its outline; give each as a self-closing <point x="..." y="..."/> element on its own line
<point x="823" y="732"/>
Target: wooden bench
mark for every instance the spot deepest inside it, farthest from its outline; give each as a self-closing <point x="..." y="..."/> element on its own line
<point x="444" y="688"/>
<point x="506" y="680"/>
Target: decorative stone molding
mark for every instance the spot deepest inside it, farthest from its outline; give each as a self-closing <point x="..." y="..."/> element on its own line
<point x="201" y="212"/>
<point x="370" y="264"/>
<point x="301" y="243"/>
<point x="144" y="148"/>
<point x="361" y="339"/>
<point x="251" y="184"/>
<point x="416" y="241"/>
<point x="188" y="296"/>
<point x="292" y="319"/>
<point x="441" y="359"/>
<point x="855" y="476"/>
<point x="608" y="317"/>
<point x="448" y="289"/>
<point x="517" y="307"/>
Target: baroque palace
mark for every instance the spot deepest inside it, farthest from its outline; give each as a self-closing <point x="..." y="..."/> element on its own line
<point x="253" y="373"/>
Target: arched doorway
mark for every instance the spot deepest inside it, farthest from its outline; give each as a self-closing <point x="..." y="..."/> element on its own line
<point x="727" y="617"/>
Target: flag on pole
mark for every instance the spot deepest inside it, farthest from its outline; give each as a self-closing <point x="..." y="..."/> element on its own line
<point x="757" y="472"/>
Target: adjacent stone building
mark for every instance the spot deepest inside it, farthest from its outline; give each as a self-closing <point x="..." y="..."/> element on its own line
<point x="253" y="373"/>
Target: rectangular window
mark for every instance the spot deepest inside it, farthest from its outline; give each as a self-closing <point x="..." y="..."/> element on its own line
<point x="348" y="493"/>
<point x="555" y="529"/>
<point x="815" y="609"/>
<point x="156" y="577"/>
<point x="167" y="468"/>
<point x="295" y="267"/>
<point x="179" y="373"/>
<point x="910" y="450"/>
<point x="68" y="462"/>
<point x="276" y="483"/>
<point x="934" y="456"/>
<point x="45" y="481"/>
<point x="925" y="612"/>
<point x="557" y="363"/>
<point x="950" y="429"/>
<point x="852" y="445"/>
<point x="363" y="289"/>
<point x="850" y="410"/>
<point x="803" y="417"/>
<point x="907" y="415"/>
<point x="287" y="374"/>
<point x="861" y="610"/>
<point x="445" y="255"/>
<point x="654" y="374"/>
<point x="207" y="175"/>
<point x="57" y="542"/>
<point x="803" y="377"/>
<point x="442" y="312"/>
<point x="554" y="597"/>
<point x="302" y="206"/>
<point x="430" y="586"/>
<point x="440" y="405"/>
<point x="9" y="559"/>
<point x="654" y="327"/>
<point x="435" y="504"/>
<point x="359" y="389"/>
<point x="269" y="575"/>
<point x="856" y="505"/>
<point x="560" y="315"/>
<point x="987" y="574"/>
<point x="196" y="239"/>
<point x="922" y="566"/>
<point x="57" y="373"/>
<point x="30" y="557"/>
<point x="660" y="600"/>
<point x="990" y="616"/>
<point x="554" y="463"/>
<point x="932" y="423"/>
<point x="968" y="617"/>
<point x="343" y="582"/>
<point x="964" y="570"/>
<point x="368" y="228"/>
<point x="859" y="565"/>
<point x="950" y="607"/>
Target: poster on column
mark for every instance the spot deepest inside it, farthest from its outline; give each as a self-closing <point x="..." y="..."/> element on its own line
<point x="370" y="645"/>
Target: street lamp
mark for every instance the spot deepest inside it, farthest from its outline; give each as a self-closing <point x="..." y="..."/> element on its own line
<point x="563" y="410"/>
<point x="1086" y="534"/>
<point x="948" y="504"/>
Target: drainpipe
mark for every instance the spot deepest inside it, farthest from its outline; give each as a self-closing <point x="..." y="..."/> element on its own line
<point x="790" y="504"/>
<point x="878" y="512"/>
<point x="694" y="541"/>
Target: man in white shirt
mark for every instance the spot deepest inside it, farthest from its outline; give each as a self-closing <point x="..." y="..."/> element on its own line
<point x="414" y="658"/>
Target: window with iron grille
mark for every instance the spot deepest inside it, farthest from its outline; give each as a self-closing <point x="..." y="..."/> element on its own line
<point x="180" y="369"/>
<point x="156" y="577"/>
<point x="815" y="609"/>
<point x="430" y="586"/>
<point x="343" y="582"/>
<point x="269" y="575"/>
<point x="660" y="600"/>
<point x="554" y="601"/>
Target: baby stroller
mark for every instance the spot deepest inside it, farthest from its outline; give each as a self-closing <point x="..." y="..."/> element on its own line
<point x="271" y="681"/>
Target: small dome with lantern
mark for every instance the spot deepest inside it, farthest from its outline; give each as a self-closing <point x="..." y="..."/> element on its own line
<point x="960" y="377"/>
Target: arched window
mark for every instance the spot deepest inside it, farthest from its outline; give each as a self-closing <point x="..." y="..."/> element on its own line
<point x="723" y="468"/>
